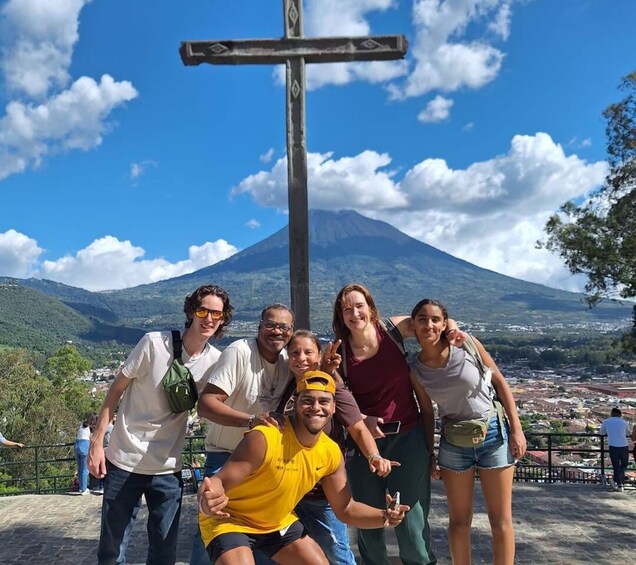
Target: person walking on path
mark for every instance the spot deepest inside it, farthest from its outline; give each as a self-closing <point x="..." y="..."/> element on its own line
<point x="616" y="429"/>
<point x="144" y="456"/>
<point x="4" y="442"/>
<point x="249" y="503"/>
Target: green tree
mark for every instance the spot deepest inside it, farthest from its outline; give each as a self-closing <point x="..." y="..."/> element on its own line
<point x="63" y="368"/>
<point x="66" y="363"/>
<point x="598" y="237"/>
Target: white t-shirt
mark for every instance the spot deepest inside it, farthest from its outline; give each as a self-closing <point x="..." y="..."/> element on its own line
<point x="147" y="437"/>
<point x="84" y="432"/>
<point x="616" y="430"/>
<point x="251" y="384"/>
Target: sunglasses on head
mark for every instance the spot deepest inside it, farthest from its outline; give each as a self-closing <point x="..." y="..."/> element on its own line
<point x="202" y="312"/>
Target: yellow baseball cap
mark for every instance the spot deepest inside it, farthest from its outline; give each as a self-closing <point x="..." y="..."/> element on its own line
<point x="316" y="380"/>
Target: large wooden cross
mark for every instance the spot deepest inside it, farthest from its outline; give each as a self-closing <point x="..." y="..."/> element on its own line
<point x="294" y="51"/>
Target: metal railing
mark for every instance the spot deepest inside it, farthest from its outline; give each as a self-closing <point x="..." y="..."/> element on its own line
<point x="551" y="458"/>
<point x="51" y="468"/>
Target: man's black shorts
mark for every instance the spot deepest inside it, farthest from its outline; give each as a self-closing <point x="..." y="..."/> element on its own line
<point x="269" y="544"/>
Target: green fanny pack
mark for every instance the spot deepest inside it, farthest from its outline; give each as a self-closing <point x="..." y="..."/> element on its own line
<point x="178" y="383"/>
<point x="471" y="433"/>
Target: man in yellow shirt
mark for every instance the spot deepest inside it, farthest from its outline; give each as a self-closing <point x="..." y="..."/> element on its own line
<point x="249" y="503"/>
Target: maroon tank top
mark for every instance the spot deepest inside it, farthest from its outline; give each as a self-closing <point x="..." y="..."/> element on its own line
<point x="381" y="384"/>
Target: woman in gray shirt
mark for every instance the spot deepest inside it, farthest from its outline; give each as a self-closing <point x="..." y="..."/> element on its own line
<point x="450" y="377"/>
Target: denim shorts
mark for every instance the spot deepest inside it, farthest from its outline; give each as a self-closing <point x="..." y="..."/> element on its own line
<point x="493" y="454"/>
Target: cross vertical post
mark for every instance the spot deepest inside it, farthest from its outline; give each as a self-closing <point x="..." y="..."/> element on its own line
<point x="297" y="171"/>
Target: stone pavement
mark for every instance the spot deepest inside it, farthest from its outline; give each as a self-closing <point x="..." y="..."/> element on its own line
<point x="557" y="524"/>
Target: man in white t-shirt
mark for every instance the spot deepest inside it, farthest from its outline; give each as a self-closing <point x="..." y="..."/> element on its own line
<point x="616" y="429"/>
<point x="144" y="453"/>
<point x="247" y="382"/>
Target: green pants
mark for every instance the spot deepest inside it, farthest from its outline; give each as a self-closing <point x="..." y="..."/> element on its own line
<point x="413" y="480"/>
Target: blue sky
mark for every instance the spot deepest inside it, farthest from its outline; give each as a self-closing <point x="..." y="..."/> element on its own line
<point x="120" y="166"/>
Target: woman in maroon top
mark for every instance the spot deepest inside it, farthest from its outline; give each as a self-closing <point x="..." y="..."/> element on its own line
<point x="378" y="376"/>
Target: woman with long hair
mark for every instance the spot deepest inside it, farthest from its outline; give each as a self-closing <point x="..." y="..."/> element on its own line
<point x="454" y="380"/>
<point x="376" y="372"/>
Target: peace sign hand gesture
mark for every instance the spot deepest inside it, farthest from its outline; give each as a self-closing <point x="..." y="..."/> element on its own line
<point x="331" y="359"/>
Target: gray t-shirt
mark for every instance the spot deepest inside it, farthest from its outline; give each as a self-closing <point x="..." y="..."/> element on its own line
<point x="458" y="389"/>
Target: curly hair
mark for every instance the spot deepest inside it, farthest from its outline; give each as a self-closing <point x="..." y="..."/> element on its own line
<point x="193" y="301"/>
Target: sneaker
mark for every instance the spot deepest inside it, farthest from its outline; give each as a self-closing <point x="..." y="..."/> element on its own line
<point x="84" y="492"/>
<point x="620" y="488"/>
<point x="98" y="491"/>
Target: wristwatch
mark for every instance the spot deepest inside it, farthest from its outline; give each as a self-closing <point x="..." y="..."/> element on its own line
<point x="250" y="422"/>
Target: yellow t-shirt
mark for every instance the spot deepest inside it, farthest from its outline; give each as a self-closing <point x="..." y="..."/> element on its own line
<point x="264" y="501"/>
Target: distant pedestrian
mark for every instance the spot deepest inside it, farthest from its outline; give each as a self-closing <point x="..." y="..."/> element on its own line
<point x="616" y="429"/>
<point x="634" y="440"/>
<point x="4" y="442"/>
<point x="82" y="444"/>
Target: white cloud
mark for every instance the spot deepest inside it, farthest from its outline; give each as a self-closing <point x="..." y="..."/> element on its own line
<point x="139" y="169"/>
<point x="490" y="213"/>
<point x="267" y="156"/>
<point x="341" y="17"/>
<point x="253" y="224"/>
<point x="38" y="39"/>
<point x="450" y="46"/>
<point x="578" y="143"/>
<point x="18" y="254"/>
<point x="535" y="175"/>
<point x="334" y="183"/>
<point x="106" y="264"/>
<point x="445" y="57"/>
<point x="500" y="25"/>
<point x="74" y="119"/>
<point x="493" y="212"/>
<point x="46" y="114"/>
<point x="109" y="263"/>
<point x="436" y="110"/>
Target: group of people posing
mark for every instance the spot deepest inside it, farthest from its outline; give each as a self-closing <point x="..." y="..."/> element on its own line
<point x="302" y="441"/>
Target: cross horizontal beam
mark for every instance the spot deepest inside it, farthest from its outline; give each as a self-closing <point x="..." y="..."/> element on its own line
<point x="279" y="51"/>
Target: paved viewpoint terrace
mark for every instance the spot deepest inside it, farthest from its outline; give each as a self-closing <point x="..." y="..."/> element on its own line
<point x="566" y="524"/>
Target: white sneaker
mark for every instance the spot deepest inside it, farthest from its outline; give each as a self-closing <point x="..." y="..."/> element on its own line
<point x="84" y="492"/>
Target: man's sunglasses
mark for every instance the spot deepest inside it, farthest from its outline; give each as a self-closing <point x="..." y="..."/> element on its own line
<point x="202" y="312"/>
